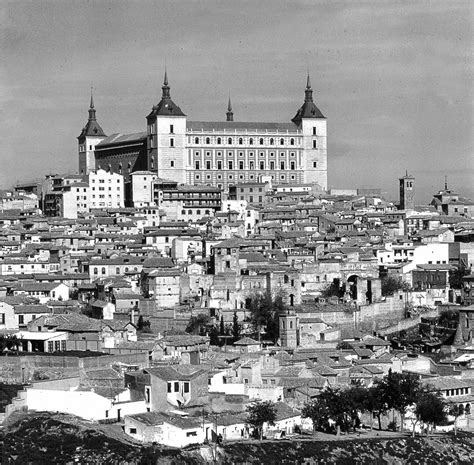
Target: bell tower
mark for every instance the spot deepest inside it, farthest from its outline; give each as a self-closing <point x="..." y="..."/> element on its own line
<point x="90" y="136"/>
<point x="288" y="331"/>
<point x="407" y="192"/>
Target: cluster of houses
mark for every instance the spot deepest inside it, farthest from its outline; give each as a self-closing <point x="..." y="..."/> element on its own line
<point x="98" y="303"/>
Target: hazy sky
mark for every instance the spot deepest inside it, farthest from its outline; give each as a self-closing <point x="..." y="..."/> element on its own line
<point x="394" y="79"/>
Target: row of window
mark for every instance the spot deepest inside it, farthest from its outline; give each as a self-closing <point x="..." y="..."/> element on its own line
<point x="231" y="154"/>
<point x="56" y="346"/>
<point x="102" y="181"/>
<point x="241" y="165"/>
<point x="117" y="270"/>
<point x="457" y="392"/>
<point x="198" y="212"/>
<point x="240" y="177"/>
<point x="175" y="385"/>
<point x="249" y="141"/>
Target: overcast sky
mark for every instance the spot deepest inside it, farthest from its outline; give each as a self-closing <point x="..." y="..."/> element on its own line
<point x="393" y="78"/>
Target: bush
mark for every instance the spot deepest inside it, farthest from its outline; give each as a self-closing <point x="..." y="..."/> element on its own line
<point x="392" y="426"/>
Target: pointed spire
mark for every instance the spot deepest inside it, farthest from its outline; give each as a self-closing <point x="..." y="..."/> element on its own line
<point x="308" y="93"/>
<point x="230" y="113"/>
<point x="91" y="106"/>
<point x="445" y="183"/>
<point x="165" y="88"/>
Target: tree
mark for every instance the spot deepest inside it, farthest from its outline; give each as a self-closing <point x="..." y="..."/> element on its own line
<point x="222" y="326"/>
<point x="339" y="408"/>
<point x="265" y="310"/>
<point x="140" y="323"/>
<point x="235" y="327"/>
<point x="456" y="410"/>
<point x="429" y="409"/>
<point x="259" y="413"/>
<point x="399" y="391"/>
<point x="456" y="277"/>
<point x="9" y="342"/>
<point x="317" y="411"/>
<point x="196" y="323"/>
<point x="376" y="403"/>
<point x="334" y="289"/>
<point x="392" y="284"/>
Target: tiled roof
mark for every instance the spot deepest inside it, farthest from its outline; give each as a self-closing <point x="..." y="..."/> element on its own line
<point x="178" y="373"/>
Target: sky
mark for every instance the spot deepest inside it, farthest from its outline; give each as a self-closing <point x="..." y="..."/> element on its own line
<point x="393" y="78"/>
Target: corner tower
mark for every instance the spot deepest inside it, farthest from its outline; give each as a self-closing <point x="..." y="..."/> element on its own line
<point x="312" y="124"/>
<point x="166" y="138"/>
<point x="90" y="136"/>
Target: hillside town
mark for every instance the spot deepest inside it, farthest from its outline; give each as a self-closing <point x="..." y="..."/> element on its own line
<point x="190" y="275"/>
<point x="153" y="317"/>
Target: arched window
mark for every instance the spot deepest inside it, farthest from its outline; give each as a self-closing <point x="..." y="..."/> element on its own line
<point x="286" y="279"/>
<point x="126" y="269"/>
<point x="282" y="141"/>
<point x="103" y="270"/>
<point x="208" y="140"/>
<point x="292" y="141"/>
<point x="261" y="140"/>
<point x="251" y="141"/>
<point x="229" y="140"/>
<point x="96" y="270"/>
<point x="272" y="141"/>
<point x="251" y="165"/>
<point x="219" y="140"/>
<point x="241" y="141"/>
<point x="196" y="140"/>
<point x="117" y="270"/>
<point x="120" y="168"/>
<point x="190" y="212"/>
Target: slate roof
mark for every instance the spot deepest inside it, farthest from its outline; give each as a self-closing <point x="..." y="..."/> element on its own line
<point x="118" y="138"/>
<point x="231" y="126"/>
<point x="166" y="106"/>
<point x="92" y="128"/>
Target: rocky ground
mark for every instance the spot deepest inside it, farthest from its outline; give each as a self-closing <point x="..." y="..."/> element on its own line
<point x="42" y="438"/>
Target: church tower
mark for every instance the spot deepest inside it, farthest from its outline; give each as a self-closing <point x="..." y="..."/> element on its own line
<point x="312" y="123"/>
<point x="288" y="331"/>
<point x="407" y="192"/>
<point x="90" y="136"/>
<point x="166" y="138"/>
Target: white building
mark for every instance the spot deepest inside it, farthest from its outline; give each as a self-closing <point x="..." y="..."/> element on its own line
<point x="106" y="189"/>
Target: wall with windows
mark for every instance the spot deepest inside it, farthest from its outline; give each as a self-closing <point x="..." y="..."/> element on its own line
<point x="106" y="189"/>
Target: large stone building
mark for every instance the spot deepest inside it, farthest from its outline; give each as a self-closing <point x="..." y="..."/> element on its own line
<point x="218" y="153"/>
